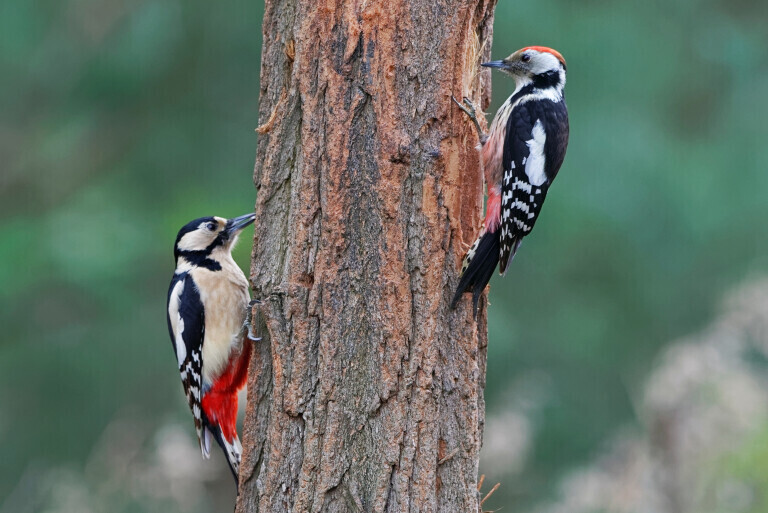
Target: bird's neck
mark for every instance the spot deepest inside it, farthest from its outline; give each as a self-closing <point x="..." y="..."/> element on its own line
<point x="522" y="83"/>
<point x="552" y="82"/>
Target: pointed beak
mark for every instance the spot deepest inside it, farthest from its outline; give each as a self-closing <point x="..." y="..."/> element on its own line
<point x="236" y="224"/>
<point x="493" y="64"/>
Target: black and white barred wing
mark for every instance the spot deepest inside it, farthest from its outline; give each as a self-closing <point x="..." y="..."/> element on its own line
<point x="533" y="153"/>
<point x="186" y="324"/>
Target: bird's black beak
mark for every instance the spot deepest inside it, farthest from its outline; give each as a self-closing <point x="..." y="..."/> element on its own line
<point x="493" y="64"/>
<point x="236" y="224"/>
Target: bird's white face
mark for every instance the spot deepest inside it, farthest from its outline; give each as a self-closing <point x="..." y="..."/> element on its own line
<point x="208" y="238"/>
<point x="530" y="62"/>
<point x="203" y="235"/>
<point x="533" y="62"/>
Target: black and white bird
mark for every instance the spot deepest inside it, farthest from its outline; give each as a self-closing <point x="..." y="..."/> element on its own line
<point x="208" y="301"/>
<point x="521" y="156"/>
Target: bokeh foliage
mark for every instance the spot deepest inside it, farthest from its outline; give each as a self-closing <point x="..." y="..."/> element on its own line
<point x="658" y="210"/>
<point x="123" y="120"/>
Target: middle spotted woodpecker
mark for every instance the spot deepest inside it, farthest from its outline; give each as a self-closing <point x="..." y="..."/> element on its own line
<point x="521" y="155"/>
<point x="207" y="309"/>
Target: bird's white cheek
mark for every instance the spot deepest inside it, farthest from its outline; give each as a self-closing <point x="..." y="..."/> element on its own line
<point x="195" y="240"/>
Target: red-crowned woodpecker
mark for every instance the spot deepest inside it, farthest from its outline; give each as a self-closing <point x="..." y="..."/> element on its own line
<point x="521" y="155"/>
<point x="208" y="301"/>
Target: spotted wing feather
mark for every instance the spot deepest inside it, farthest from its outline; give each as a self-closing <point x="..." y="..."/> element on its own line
<point x="536" y="140"/>
<point x="186" y="324"/>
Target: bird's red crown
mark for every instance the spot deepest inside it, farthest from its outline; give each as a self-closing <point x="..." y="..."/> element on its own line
<point x="548" y="50"/>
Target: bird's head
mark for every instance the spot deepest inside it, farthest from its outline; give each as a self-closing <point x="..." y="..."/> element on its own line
<point x="532" y="62"/>
<point x="208" y="237"/>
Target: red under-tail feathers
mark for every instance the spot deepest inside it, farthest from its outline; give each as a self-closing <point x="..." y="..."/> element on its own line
<point x="219" y="405"/>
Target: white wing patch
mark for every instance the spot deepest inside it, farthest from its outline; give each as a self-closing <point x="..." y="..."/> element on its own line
<point x="177" y="322"/>
<point x="534" y="166"/>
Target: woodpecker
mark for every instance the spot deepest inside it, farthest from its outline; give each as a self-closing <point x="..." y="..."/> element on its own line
<point x="521" y="156"/>
<point x="208" y="301"/>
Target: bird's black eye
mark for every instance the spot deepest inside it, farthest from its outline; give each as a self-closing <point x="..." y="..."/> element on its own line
<point x="211" y="226"/>
<point x="525" y="57"/>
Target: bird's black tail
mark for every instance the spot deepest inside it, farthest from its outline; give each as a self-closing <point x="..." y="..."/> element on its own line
<point x="479" y="264"/>
<point x="232" y="450"/>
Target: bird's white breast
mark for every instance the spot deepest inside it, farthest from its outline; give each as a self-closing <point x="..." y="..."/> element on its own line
<point x="224" y="295"/>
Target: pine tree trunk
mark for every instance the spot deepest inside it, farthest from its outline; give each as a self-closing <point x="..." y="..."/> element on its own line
<point x="366" y="392"/>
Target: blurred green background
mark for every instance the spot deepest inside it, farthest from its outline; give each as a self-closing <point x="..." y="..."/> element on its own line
<point x="123" y="120"/>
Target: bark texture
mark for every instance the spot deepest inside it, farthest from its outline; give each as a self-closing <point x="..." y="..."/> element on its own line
<point x="366" y="392"/>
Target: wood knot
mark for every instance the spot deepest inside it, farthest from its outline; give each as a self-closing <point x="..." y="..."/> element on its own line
<point x="402" y="155"/>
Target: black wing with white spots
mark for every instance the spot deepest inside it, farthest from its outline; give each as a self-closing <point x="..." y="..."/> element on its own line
<point x="186" y="324"/>
<point x="534" y="149"/>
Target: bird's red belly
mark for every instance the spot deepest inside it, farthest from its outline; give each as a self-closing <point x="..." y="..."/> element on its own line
<point x="220" y="401"/>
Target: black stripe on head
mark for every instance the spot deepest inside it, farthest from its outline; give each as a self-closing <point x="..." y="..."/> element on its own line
<point x="546" y="80"/>
<point x="199" y="258"/>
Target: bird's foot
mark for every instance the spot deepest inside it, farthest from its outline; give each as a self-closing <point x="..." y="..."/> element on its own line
<point x="469" y="109"/>
<point x="248" y="324"/>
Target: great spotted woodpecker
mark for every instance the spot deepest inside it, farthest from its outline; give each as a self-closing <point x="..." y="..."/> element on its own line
<point x="208" y="301"/>
<point x="521" y="155"/>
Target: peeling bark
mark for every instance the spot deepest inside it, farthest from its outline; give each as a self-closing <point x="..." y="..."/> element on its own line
<point x="366" y="393"/>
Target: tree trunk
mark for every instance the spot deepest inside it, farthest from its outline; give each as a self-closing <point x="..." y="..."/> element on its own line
<point x="366" y="392"/>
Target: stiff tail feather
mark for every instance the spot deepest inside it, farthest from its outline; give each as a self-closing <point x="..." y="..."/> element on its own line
<point x="232" y="449"/>
<point x="479" y="264"/>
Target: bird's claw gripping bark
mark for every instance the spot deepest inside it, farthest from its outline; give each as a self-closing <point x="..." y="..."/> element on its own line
<point x="467" y="106"/>
<point x="248" y="324"/>
<point x="469" y="109"/>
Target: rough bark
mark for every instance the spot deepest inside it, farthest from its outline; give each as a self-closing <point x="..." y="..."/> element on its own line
<point x="366" y="392"/>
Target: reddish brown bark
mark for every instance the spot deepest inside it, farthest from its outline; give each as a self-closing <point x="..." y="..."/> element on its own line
<point x="366" y="393"/>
